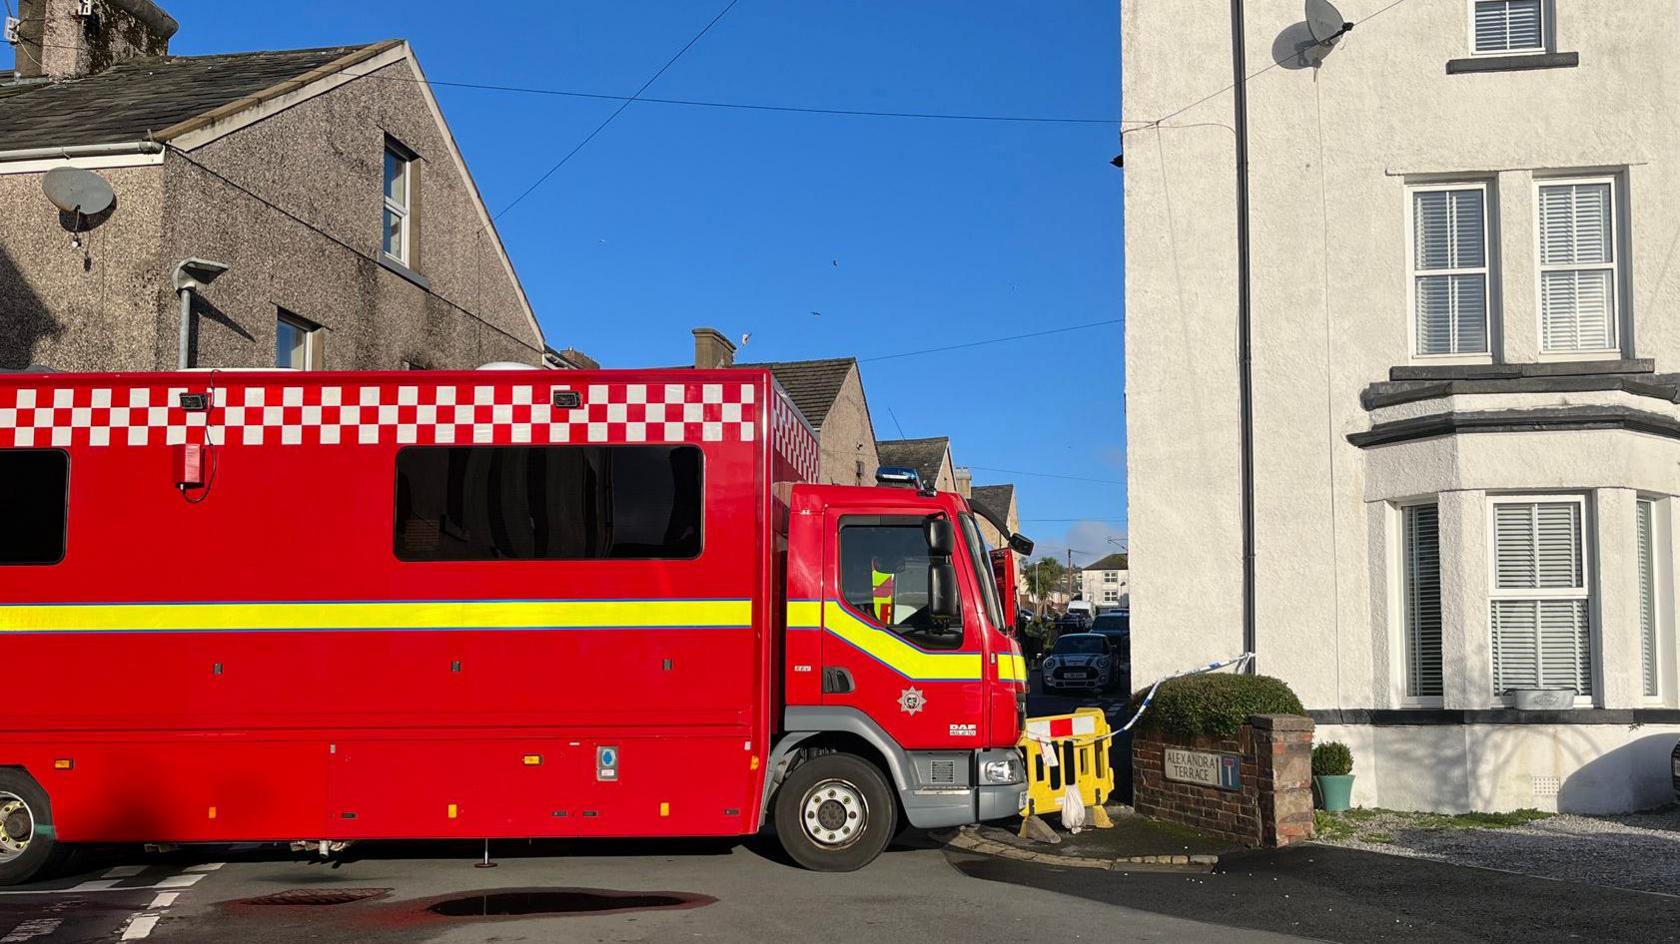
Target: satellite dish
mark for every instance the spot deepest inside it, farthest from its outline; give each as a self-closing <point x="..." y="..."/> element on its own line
<point x="1325" y="22"/>
<point x="75" y="190"/>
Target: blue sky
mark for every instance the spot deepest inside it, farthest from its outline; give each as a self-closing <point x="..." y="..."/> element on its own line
<point x="904" y="234"/>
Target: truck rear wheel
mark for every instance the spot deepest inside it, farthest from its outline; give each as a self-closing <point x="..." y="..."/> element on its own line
<point x="835" y="813"/>
<point x="27" y="845"/>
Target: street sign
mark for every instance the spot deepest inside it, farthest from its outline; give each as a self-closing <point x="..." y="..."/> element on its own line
<point x="1209" y="770"/>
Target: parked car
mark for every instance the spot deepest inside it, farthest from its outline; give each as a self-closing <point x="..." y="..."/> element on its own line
<point x="1073" y="621"/>
<point x="1117" y="626"/>
<point x="1081" y="662"/>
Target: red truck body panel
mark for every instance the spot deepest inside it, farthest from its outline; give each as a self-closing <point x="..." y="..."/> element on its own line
<point x="248" y="659"/>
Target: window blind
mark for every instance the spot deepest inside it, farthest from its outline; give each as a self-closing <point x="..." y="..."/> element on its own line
<point x="1577" y="267"/>
<point x="1450" y="260"/>
<point x="1645" y="535"/>
<point x="1509" y="25"/>
<point x="1541" y="623"/>
<point x="1422" y="551"/>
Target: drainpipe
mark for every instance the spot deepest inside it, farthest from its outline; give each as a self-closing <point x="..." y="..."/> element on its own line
<point x="1245" y="376"/>
<point x="191" y="275"/>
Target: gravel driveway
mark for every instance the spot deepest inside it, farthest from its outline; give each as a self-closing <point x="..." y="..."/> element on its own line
<point x="1633" y="850"/>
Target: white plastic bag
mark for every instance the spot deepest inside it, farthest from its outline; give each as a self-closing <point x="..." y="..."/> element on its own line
<point x="1073" y="809"/>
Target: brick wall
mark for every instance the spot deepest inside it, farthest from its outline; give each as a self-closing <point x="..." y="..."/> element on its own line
<point x="1272" y="808"/>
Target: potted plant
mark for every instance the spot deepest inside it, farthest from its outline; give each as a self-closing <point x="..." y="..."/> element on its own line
<point x="1332" y="766"/>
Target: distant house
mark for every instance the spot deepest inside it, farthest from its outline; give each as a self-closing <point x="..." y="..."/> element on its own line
<point x="828" y="392"/>
<point x="999" y="501"/>
<point x="325" y="178"/>
<point x="1107" y="582"/>
<point x="931" y="458"/>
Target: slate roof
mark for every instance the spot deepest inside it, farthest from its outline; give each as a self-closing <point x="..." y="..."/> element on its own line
<point x="993" y="498"/>
<point x="135" y="100"/>
<point x="1111" y="562"/>
<point x="813" y="385"/>
<point x="924" y="455"/>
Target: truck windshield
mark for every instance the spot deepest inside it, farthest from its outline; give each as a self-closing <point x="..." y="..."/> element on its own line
<point x="982" y="563"/>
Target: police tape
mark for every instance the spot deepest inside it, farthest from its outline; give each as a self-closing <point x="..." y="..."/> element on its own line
<point x="1199" y="670"/>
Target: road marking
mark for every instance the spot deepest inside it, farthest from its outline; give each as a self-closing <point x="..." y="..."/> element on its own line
<point x="124" y="871"/>
<point x="140" y="927"/>
<point x="97" y="885"/>
<point x="163" y="900"/>
<point x="35" y="927"/>
<point x="204" y="867"/>
<point x="179" y="881"/>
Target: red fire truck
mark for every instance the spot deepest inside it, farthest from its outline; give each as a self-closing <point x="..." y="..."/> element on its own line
<point x="274" y="606"/>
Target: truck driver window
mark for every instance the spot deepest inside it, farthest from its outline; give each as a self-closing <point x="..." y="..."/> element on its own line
<point x="475" y="503"/>
<point x="33" y="505"/>
<point x="884" y="575"/>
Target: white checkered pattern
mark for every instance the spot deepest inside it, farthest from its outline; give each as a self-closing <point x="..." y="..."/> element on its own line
<point x="793" y="438"/>
<point x="365" y="414"/>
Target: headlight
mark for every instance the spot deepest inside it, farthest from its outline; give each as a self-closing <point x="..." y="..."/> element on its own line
<point x="1102" y="663"/>
<point x="1051" y="663"/>
<point x="1002" y="771"/>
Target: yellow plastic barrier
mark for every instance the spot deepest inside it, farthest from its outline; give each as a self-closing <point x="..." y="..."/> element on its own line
<point x="1079" y="742"/>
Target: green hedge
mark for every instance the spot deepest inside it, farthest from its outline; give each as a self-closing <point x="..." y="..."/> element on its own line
<point x="1215" y="705"/>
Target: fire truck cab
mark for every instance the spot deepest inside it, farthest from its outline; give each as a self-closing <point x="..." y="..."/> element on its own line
<point x="279" y="606"/>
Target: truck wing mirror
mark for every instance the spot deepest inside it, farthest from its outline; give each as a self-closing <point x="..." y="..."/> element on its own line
<point x="944" y="602"/>
<point x="941" y="540"/>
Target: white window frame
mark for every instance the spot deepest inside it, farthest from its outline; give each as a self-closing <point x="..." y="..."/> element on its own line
<point x="1401" y="582"/>
<point x="1618" y="277"/>
<point x="1662" y="596"/>
<point x="1545" y="34"/>
<point x="1486" y="271"/>
<point x="402" y="209"/>
<point x="1588" y="591"/>
<point x="311" y="338"/>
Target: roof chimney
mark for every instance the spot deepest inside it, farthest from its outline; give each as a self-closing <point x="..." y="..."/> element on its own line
<point x="66" y="39"/>
<point x="965" y="482"/>
<point x="712" y="349"/>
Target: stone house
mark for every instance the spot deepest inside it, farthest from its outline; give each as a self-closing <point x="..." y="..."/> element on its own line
<point x="1465" y="369"/>
<point x="828" y="392"/>
<point x="930" y="457"/>
<point x="325" y="179"/>
<point x="1000" y="500"/>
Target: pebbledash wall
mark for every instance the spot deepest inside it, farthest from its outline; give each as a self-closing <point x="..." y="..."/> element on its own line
<point x="1392" y="647"/>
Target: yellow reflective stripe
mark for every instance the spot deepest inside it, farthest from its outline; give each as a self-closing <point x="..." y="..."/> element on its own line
<point x="804" y="614"/>
<point x="425" y="614"/>
<point x="1011" y="668"/>
<point x="898" y="654"/>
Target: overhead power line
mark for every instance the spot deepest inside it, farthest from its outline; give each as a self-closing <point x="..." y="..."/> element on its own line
<point x="619" y="110"/>
<point x="1013" y="337"/>
<point x="1048" y="475"/>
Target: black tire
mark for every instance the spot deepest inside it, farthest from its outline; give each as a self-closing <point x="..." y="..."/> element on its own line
<point x="827" y="791"/>
<point x="26" y="820"/>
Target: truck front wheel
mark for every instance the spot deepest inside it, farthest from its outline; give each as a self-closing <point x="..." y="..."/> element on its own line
<point x="835" y="813"/>
<point x="27" y="846"/>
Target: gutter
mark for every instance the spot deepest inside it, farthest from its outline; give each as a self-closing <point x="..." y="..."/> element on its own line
<point x="82" y="150"/>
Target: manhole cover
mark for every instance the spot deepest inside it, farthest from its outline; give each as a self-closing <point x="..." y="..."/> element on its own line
<point x="318" y="896"/>
<point x="562" y="901"/>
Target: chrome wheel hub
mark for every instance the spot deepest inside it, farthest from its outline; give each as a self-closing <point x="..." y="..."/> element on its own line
<point x="834" y="814"/>
<point x="17" y="826"/>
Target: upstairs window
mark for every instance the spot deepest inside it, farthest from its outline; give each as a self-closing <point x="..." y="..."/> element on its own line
<point x="1540" y="606"/>
<point x="34" y="504"/>
<point x="1578" y="262"/>
<point x="399" y="179"/>
<point x="1449" y="271"/>
<point x="297" y="342"/>
<point x="1503" y="27"/>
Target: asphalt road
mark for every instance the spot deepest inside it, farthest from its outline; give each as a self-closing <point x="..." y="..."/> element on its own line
<point x="705" y="891"/>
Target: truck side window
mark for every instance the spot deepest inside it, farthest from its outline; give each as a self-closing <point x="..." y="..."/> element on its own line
<point x="477" y="503"/>
<point x="34" y="505"/>
<point x="884" y="575"/>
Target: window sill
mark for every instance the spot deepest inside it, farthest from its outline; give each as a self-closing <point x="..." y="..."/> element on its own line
<point x="404" y="271"/>
<point x="1518" y="63"/>
<point x="1409" y="717"/>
